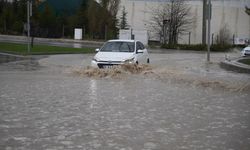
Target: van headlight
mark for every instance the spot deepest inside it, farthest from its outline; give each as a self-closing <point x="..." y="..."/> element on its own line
<point x="129" y="61"/>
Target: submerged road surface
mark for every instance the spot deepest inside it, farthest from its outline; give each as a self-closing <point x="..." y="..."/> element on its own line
<point x="182" y="103"/>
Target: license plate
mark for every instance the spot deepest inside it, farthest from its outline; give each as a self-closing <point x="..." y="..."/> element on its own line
<point x="107" y="66"/>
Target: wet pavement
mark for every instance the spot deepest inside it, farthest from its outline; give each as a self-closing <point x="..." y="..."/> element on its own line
<point x="182" y="103"/>
<point x="52" y="42"/>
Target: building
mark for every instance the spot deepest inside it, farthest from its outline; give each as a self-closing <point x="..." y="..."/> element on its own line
<point x="229" y="14"/>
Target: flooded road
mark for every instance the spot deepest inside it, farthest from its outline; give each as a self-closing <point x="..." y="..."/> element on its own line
<point x="181" y="103"/>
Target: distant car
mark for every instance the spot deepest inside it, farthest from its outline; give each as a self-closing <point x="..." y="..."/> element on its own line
<point x="116" y="52"/>
<point x="246" y="51"/>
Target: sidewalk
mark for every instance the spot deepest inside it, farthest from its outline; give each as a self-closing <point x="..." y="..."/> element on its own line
<point x="36" y="39"/>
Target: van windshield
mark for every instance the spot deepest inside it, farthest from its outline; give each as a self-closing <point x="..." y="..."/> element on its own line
<point x="118" y="47"/>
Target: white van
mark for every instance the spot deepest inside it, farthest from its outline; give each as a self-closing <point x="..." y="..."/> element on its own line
<point x="116" y="52"/>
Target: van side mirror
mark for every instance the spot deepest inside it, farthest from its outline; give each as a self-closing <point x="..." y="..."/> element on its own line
<point x="139" y="51"/>
<point x="97" y="50"/>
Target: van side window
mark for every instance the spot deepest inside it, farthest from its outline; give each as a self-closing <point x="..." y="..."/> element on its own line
<point x="138" y="46"/>
<point x="141" y="45"/>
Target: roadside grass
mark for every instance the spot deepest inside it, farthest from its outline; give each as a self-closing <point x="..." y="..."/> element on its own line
<point x="245" y="61"/>
<point x="21" y="49"/>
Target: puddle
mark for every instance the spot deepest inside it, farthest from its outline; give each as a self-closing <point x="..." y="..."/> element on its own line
<point x="23" y="65"/>
<point x="222" y="85"/>
<point x="200" y="80"/>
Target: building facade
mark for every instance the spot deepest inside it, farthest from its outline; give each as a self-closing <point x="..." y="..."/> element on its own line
<point x="227" y="15"/>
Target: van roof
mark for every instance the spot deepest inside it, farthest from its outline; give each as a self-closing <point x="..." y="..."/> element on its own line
<point x="121" y="40"/>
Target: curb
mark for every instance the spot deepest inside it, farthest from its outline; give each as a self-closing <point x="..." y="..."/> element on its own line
<point x="5" y="58"/>
<point x="234" y="65"/>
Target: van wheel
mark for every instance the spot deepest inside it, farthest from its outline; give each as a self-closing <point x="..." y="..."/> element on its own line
<point x="148" y="61"/>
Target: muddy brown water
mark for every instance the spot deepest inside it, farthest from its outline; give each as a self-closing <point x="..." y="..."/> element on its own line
<point x="178" y="102"/>
<point x="152" y="72"/>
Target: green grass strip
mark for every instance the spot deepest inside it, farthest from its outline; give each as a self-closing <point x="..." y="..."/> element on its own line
<point x="21" y="49"/>
<point x="245" y="61"/>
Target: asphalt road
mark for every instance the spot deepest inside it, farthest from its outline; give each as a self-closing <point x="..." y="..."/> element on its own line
<point x="182" y="103"/>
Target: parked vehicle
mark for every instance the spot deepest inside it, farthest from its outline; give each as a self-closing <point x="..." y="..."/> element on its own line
<point x="246" y="51"/>
<point x="116" y="52"/>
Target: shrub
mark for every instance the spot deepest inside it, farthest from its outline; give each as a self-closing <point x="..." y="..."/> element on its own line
<point x="220" y="48"/>
<point x="169" y="46"/>
<point x="198" y="47"/>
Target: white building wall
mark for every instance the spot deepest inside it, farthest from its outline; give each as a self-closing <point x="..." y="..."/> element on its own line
<point x="230" y="13"/>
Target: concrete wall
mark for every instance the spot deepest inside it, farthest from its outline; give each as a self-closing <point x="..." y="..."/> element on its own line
<point x="229" y="13"/>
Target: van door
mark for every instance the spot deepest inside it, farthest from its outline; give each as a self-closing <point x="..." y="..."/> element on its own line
<point x="139" y="55"/>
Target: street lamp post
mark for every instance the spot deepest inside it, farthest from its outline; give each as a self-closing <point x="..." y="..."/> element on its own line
<point x="209" y="8"/>
<point x="204" y="22"/>
<point x="29" y="14"/>
<point x="165" y="23"/>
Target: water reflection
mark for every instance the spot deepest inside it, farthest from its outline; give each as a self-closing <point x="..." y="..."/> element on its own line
<point x="207" y="66"/>
<point x="93" y="93"/>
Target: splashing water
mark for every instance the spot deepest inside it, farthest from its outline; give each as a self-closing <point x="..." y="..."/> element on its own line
<point x="115" y="71"/>
<point x="163" y="74"/>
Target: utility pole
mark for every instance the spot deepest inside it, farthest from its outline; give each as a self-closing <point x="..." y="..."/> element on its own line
<point x="189" y="38"/>
<point x="106" y="32"/>
<point x="204" y="22"/>
<point x="84" y="30"/>
<point x="63" y="31"/>
<point x="29" y="14"/>
<point x="209" y="12"/>
<point x="165" y="23"/>
<point x="170" y="39"/>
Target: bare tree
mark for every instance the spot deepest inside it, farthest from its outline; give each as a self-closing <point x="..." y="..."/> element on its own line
<point x="223" y="37"/>
<point x="171" y="20"/>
